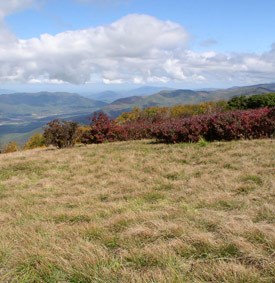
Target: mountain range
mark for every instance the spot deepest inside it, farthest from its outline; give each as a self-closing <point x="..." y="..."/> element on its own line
<point x="24" y="113"/>
<point x="110" y="96"/>
<point x="182" y="96"/>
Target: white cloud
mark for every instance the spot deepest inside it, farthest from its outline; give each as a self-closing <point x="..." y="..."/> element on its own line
<point x="119" y="52"/>
<point x="10" y="6"/>
<point x="135" y="49"/>
<point x="174" y="69"/>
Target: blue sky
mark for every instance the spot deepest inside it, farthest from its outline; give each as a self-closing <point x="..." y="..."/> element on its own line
<point x="188" y="43"/>
<point x="241" y="26"/>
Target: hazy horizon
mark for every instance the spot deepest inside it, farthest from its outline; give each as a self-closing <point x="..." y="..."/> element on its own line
<point x="104" y="88"/>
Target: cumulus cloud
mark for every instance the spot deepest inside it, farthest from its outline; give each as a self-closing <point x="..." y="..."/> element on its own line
<point x="135" y="49"/>
<point x="128" y="48"/>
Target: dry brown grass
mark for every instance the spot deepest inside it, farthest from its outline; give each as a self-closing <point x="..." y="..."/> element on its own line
<point x="139" y="212"/>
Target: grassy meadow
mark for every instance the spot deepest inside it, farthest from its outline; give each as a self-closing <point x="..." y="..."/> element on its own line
<point x="139" y="212"/>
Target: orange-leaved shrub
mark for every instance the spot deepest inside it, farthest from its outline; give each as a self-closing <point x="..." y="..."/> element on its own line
<point x="35" y="141"/>
<point x="11" y="147"/>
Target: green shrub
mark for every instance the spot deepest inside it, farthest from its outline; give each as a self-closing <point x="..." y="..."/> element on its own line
<point x="253" y="101"/>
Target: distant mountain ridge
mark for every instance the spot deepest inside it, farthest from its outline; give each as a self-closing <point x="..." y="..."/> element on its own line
<point x="110" y="96"/>
<point x="183" y="96"/>
<point x="245" y="90"/>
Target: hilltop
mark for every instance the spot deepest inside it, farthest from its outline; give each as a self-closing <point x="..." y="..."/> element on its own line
<point x="139" y="212"/>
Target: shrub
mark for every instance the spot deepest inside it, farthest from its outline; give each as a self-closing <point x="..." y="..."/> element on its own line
<point x="246" y="124"/>
<point x="156" y="113"/>
<point x="180" y="130"/>
<point x="61" y="133"/>
<point x="82" y="130"/>
<point x="103" y="129"/>
<point x="253" y="101"/>
<point x="232" y="125"/>
<point x="132" y="115"/>
<point x="37" y="140"/>
<point x="137" y="130"/>
<point x="11" y="147"/>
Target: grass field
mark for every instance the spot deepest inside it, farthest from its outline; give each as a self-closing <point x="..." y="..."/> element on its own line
<point x="139" y="212"/>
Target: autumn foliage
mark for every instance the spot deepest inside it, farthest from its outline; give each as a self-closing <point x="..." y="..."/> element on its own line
<point x="230" y="125"/>
<point x="61" y="133"/>
<point x="102" y="129"/>
<point x="35" y="141"/>
<point x="177" y="111"/>
<point x="11" y="147"/>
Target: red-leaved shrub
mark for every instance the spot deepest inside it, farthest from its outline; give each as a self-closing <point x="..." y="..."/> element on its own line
<point x="137" y="130"/>
<point x="103" y="129"/>
<point x="232" y="125"/>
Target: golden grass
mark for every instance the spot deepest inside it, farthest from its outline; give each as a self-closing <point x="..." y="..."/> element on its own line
<point x="139" y="212"/>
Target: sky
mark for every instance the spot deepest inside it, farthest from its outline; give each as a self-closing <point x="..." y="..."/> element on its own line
<point x="85" y="45"/>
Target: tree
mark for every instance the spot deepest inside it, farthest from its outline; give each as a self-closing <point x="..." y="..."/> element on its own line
<point x="61" y="133"/>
